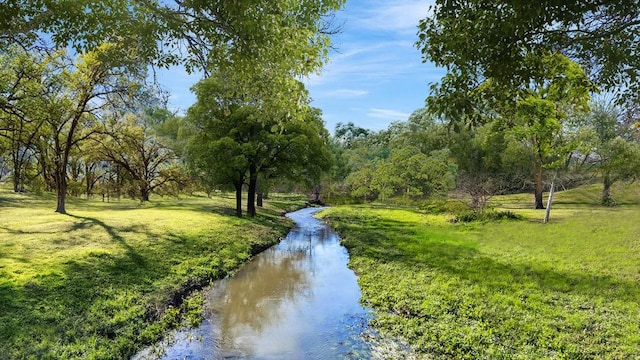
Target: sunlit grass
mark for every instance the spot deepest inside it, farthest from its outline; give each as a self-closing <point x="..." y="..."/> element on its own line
<point x="103" y="280"/>
<point x="505" y="289"/>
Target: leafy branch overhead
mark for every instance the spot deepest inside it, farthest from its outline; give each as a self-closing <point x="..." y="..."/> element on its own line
<point x="201" y="34"/>
<point x="480" y="39"/>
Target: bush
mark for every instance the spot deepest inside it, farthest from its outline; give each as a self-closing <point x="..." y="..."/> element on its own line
<point x="484" y="215"/>
<point x="440" y="206"/>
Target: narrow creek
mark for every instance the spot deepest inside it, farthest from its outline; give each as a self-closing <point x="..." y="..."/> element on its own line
<point x="296" y="300"/>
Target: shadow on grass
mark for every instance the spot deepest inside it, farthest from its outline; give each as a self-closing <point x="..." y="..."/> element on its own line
<point x="388" y="241"/>
<point x="96" y="299"/>
<point x="115" y="236"/>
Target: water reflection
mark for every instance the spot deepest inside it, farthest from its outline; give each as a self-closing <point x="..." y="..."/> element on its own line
<point x="297" y="300"/>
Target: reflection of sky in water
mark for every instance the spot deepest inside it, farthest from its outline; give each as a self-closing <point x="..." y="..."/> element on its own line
<point x="297" y="300"/>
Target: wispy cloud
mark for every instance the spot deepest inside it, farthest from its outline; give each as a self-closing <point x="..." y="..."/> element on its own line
<point x="364" y="64"/>
<point x="397" y="16"/>
<point x="388" y="114"/>
<point x="345" y="93"/>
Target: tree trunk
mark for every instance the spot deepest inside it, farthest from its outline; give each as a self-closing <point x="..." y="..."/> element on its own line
<point x="61" y="191"/>
<point x="251" y="191"/>
<point x="238" y="187"/>
<point x="251" y="198"/>
<point x="260" y="195"/>
<point x="88" y="180"/>
<point x="549" y="202"/>
<point x="16" y="179"/>
<point x="606" y="190"/>
<point x="144" y="194"/>
<point x="538" y="186"/>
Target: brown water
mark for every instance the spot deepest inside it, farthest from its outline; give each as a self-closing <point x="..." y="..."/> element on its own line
<point x="297" y="300"/>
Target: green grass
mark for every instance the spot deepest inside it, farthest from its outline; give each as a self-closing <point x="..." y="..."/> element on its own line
<point x="110" y="277"/>
<point x="510" y="289"/>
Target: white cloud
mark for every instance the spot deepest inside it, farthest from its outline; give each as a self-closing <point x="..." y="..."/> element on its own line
<point x="346" y="93"/>
<point x="398" y="16"/>
<point x="388" y="114"/>
<point x="362" y="65"/>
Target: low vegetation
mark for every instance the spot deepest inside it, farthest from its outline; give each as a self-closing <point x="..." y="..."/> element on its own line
<point x="110" y="277"/>
<point x="511" y="288"/>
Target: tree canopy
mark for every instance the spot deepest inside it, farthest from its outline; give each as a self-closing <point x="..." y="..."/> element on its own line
<point x="499" y="39"/>
<point x="200" y="33"/>
<point x="234" y="140"/>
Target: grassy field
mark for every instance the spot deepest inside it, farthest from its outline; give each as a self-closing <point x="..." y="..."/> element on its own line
<point x="110" y="277"/>
<point x="509" y="289"/>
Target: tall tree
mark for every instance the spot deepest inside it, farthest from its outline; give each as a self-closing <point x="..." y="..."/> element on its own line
<point x="215" y="148"/>
<point x="237" y="140"/>
<point x="21" y="91"/>
<point x="538" y="114"/>
<point x="75" y="95"/>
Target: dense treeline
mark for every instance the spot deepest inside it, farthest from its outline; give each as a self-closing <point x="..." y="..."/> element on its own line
<point x="83" y="126"/>
<point x="87" y="126"/>
<point x="425" y="156"/>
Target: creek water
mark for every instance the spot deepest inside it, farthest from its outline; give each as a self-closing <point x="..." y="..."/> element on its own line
<point x="296" y="300"/>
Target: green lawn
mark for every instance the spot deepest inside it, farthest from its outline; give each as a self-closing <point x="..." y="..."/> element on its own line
<point x="109" y="277"/>
<point x="515" y="289"/>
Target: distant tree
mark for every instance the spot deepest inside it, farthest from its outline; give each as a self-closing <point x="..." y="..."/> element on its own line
<point x="131" y="143"/>
<point x="361" y="183"/>
<point x="21" y="88"/>
<point x="486" y="165"/>
<point x="611" y="146"/>
<point x="421" y="131"/>
<point x="347" y="134"/>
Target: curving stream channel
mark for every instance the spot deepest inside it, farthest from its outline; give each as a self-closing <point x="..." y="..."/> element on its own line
<point x="296" y="300"/>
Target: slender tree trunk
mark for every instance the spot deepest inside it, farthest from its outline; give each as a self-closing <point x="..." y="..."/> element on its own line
<point x="251" y="192"/>
<point x="606" y="190"/>
<point x="549" y="202"/>
<point x="88" y="179"/>
<point x="18" y="163"/>
<point x="260" y="194"/>
<point x="238" y="187"/>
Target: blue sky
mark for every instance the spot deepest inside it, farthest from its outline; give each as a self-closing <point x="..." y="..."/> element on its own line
<point x="375" y="77"/>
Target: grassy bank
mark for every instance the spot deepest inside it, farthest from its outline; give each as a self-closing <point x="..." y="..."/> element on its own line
<point x="109" y="277"/>
<point x="508" y="289"/>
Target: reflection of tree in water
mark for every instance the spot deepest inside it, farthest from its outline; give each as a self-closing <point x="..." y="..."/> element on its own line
<point x="254" y="297"/>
